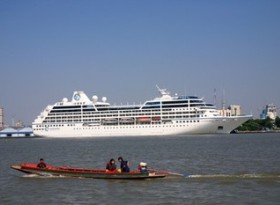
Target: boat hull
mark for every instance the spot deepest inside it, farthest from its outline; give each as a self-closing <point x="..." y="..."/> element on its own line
<point x="85" y="173"/>
<point x="218" y="125"/>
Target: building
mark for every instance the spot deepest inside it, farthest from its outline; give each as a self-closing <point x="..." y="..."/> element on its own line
<point x="232" y="110"/>
<point x="235" y="110"/>
<point x="270" y="111"/>
<point x="1" y="118"/>
<point x="13" y="132"/>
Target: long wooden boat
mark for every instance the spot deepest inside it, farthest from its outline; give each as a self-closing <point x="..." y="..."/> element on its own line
<point x="87" y="173"/>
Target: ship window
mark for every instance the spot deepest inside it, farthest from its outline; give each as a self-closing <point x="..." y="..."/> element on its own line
<point x="220" y="127"/>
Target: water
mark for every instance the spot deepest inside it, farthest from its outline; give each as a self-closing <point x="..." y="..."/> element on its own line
<point x="218" y="169"/>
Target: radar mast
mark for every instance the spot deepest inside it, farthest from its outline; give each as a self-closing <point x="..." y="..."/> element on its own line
<point x="163" y="92"/>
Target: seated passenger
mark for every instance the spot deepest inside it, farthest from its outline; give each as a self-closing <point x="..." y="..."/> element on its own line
<point x="41" y="164"/>
<point x="111" y="166"/>
<point x="124" y="165"/>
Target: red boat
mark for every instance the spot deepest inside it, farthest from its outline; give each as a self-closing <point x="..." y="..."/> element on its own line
<point x="88" y="173"/>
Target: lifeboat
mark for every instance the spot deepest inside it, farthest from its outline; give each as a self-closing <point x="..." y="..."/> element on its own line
<point x="144" y="119"/>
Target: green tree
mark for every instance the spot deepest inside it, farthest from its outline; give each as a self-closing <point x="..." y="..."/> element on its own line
<point x="277" y="122"/>
<point x="268" y="123"/>
<point x="258" y="124"/>
<point x="265" y="123"/>
<point x="250" y="125"/>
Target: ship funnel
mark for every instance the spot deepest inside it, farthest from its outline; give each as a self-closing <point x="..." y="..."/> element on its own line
<point x="80" y="96"/>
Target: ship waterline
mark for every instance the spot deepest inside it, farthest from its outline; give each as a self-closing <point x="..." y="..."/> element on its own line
<point x="165" y="115"/>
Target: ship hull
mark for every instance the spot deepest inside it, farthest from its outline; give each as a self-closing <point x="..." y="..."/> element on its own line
<point x="217" y="125"/>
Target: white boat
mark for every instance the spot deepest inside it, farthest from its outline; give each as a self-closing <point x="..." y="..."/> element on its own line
<point x="164" y="115"/>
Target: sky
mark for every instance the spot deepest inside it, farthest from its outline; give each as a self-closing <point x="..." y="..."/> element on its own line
<point x="123" y="49"/>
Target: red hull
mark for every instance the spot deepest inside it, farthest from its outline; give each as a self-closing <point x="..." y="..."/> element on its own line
<point x="86" y="173"/>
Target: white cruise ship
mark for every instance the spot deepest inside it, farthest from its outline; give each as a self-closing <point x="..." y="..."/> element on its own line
<point x="164" y="115"/>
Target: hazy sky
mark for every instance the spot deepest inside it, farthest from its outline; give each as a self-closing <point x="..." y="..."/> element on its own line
<point x="122" y="49"/>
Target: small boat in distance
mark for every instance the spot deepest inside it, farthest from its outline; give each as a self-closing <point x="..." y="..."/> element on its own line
<point x="89" y="173"/>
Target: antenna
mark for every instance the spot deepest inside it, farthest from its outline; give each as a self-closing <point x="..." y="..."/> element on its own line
<point x="215" y="96"/>
<point x="157" y="87"/>
<point x="162" y="91"/>
<point x="223" y="99"/>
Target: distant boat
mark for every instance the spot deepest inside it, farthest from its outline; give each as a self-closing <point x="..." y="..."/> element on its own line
<point x="164" y="115"/>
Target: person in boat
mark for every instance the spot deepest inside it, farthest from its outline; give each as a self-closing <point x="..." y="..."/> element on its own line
<point x="111" y="166"/>
<point x="124" y="165"/>
<point x="41" y="164"/>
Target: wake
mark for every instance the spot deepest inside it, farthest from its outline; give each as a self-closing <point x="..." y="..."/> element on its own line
<point x="45" y="176"/>
<point x="248" y="176"/>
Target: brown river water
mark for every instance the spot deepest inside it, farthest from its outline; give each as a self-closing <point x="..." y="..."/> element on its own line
<point x="216" y="169"/>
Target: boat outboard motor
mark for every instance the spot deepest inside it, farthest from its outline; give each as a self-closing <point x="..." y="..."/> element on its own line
<point x="143" y="168"/>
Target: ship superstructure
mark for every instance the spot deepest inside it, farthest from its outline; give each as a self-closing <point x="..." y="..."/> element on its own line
<point x="164" y="115"/>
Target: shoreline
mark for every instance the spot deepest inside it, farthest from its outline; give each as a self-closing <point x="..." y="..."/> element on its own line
<point x="254" y="132"/>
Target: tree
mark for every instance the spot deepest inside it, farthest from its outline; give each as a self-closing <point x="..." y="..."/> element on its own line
<point x="268" y="123"/>
<point x="277" y="121"/>
<point x="250" y="125"/>
<point x="258" y="124"/>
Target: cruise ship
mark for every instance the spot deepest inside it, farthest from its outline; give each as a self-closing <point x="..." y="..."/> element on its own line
<point x="164" y="115"/>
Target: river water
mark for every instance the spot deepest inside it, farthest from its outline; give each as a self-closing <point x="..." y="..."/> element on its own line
<point x="217" y="169"/>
